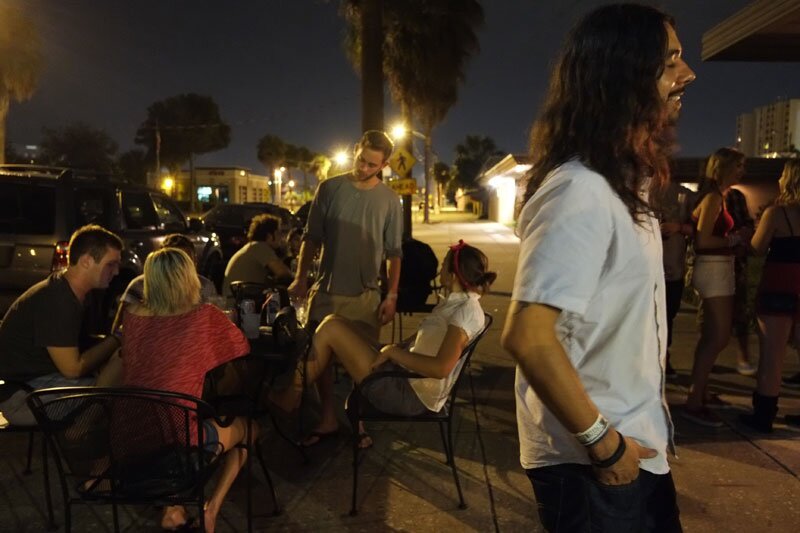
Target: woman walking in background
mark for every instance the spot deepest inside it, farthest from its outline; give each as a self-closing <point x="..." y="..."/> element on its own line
<point x="778" y="293"/>
<point x="713" y="275"/>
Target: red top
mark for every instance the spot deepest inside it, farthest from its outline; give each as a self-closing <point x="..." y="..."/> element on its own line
<point x="722" y="226"/>
<point x="174" y="353"/>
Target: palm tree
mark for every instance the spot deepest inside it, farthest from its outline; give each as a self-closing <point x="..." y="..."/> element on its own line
<point x="20" y="62"/>
<point x="426" y="46"/>
<point x="364" y="47"/>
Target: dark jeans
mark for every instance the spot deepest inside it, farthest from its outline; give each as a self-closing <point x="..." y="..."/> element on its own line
<point x="674" y="290"/>
<point x="570" y="499"/>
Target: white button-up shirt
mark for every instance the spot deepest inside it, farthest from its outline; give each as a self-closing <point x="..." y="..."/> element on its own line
<point x="582" y="252"/>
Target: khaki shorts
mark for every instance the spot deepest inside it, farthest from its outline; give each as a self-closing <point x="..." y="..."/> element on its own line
<point x="361" y="309"/>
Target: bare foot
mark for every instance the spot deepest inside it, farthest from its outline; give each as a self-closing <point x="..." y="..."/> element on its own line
<point x="174" y="517"/>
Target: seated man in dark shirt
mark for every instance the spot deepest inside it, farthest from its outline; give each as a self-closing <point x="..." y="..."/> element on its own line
<point x="39" y="336"/>
<point x="257" y="261"/>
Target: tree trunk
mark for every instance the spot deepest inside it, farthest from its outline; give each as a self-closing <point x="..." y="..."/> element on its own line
<point x="192" y="185"/>
<point x="426" y="160"/>
<point x="4" y="102"/>
<point x="372" y="65"/>
<point x="407" y="143"/>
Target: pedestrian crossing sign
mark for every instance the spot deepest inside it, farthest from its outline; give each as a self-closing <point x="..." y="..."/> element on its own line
<point x="402" y="162"/>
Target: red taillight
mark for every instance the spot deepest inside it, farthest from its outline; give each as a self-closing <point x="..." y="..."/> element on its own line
<point x="60" y="259"/>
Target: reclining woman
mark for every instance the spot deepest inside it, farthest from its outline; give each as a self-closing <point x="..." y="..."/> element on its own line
<point x="434" y="350"/>
<point x="170" y="342"/>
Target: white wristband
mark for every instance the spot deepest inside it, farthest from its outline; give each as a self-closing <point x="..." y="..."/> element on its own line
<point x="594" y="433"/>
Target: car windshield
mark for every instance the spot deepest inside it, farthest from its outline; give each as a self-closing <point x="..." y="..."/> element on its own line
<point x="27" y="208"/>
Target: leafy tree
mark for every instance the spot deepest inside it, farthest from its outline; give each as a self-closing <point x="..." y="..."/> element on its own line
<point x="79" y="145"/>
<point x="471" y="156"/>
<point x="134" y="165"/>
<point x="320" y="165"/>
<point x="271" y="152"/>
<point x="20" y="62"/>
<point x="442" y="174"/>
<point x="180" y="127"/>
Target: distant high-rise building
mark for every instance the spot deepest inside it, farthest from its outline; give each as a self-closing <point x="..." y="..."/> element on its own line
<point x="772" y="130"/>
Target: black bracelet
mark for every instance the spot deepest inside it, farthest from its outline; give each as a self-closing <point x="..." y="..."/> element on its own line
<point x="615" y="457"/>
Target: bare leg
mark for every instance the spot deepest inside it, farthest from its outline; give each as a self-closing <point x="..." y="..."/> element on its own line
<point x="111" y="373"/>
<point x="233" y="461"/>
<point x="744" y="348"/>
<point x="775" y="333"/>
<point x="714" y="336"/>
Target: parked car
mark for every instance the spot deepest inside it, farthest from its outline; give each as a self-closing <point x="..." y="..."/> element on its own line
<point x="231" y="221"/>
<point x="40" y="207"/>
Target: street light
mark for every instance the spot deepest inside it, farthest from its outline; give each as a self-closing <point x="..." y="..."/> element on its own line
<point x="278" y="174"/>
<point x="167" y="185"/>
<point x="400" y="131"/>
<point x="341" y="158"/>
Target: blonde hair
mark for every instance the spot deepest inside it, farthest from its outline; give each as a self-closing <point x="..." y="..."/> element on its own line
<point x="722" y="161"/>
<point x="790" y="183"/>
<point x="170" y="282"/>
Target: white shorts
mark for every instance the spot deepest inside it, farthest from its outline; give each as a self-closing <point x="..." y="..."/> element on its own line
<point x="713" y="276"/>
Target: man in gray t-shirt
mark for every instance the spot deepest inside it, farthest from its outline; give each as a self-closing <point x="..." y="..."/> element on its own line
<point x="356" y="220"/>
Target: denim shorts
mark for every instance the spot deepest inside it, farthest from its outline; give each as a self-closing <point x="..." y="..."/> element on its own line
<point x="211" y="437"/>
<point x="16" y="410"/>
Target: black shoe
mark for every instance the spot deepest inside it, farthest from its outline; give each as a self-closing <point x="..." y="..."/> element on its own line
<point x="764" y="410"/>
<point x="793" y="382"/>
<point x="753" y="422"/>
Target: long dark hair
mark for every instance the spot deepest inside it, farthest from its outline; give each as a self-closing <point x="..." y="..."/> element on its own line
<point x="603" y="105"/>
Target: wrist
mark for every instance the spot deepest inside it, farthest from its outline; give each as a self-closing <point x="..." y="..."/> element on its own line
<point x="594" y="433"/>
<point x="609" y="460"/>
<point x="604" y="447"/>
<point x="391" y="296"/>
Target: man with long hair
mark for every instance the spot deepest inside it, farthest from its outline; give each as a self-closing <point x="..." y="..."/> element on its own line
<point x="587" y="324"/>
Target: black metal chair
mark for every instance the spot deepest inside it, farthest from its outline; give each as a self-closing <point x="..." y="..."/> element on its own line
<point x="9" y="387"/>
<point x="116" y="446"/>
<point x="359" y="409"/>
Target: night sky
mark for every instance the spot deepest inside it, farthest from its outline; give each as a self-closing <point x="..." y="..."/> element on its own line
<point x="278" y="66"/>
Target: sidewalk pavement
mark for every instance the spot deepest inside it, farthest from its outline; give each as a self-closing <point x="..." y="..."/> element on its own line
<point x="727" y="480"/>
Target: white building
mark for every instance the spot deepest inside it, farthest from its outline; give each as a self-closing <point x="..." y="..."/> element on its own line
<point x="506" y="186"/>
<point x="772" y="130"/>
<point x="215" y="185"/>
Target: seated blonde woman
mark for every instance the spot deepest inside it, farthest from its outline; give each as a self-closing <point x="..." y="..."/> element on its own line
<point x="171" y="341"/>
<point x="434" y="351"/>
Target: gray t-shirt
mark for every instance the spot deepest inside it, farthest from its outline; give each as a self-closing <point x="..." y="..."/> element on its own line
<point x="249" y="263"/>
<point x="47" y="314"/>
<point x="357" y="229"/>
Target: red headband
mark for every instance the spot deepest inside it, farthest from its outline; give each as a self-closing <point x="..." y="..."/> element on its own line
<point x="456" y="248"/>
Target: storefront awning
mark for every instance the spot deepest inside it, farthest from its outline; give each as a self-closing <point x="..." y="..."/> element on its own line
<point x="766" y="30"/>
